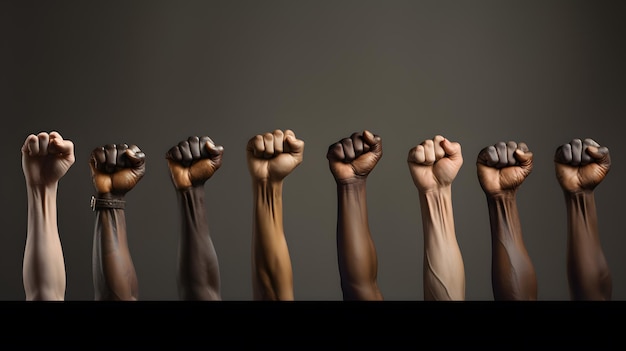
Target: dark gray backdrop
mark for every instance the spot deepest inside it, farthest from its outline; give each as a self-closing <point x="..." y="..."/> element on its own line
<point x="155" y="72"/>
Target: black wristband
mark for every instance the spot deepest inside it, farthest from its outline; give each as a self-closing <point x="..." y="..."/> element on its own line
<point x="98" y="204"/>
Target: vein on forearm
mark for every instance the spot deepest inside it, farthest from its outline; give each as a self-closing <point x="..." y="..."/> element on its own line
<point x="356" y="251"/>
<point x="198" y="269"/>
<point x="588" y="272"/>
<point x="444" y="272"/>
<point x="272" y="272"/>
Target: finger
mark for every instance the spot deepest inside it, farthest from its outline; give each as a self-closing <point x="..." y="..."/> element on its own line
<point x="452" y="149"/>
<point x="577" y="148"/>
<point x="31" y="145"/>
<point x="99" y="157"/>
<point x="438" y="149"/>
<point x="335" y="152"/>
<point x="44" y="140"/>
<point x="348" y="149"/>
<point x="488" y="156"/>
<point x="429" y="152"/>
<point x="54" y="139"/>
<point x="268" y="143"/>
<point x="292" y="144"/>
<point x="174" y="154"/>
<point x="122" y="159"/>
<point x="194" y="147"/>
<point x="416" y="155"/>
<point x="357" y="144"/>
<point x="185" y="152"/>
<point x="586" y="158"/>
<point x="563" y="154"/>
<point x="110" y="154"/>
<point x="511" y="146"/>
<point x="279" y="139"/>
<point x="256" y="146"/>
<point x="502" y="154"/>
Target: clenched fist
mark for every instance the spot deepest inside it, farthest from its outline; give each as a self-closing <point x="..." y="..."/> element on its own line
<point x="46" y="158"/>
<point x="503" y="167"/>
<point x="193" y="161"/>
<point x="116" y="168"/>
<point x="352" y="159"/>
<point x="272" y="156"/>
<point x="434" y="163"/>
<point x="581" y="165"/>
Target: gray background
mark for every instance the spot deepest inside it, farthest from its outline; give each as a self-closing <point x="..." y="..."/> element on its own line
<point x="153" y="73"/>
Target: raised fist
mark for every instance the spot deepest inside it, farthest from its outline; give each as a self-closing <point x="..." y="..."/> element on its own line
<point x="116" y="168"/>
<point x="46" y="158"/>
<point x="272" y="156"/>
<point x="503" y="167"/>
<point x="581" y="165"/>
<point x="193" y="161"/>
<point x="434" y="163"/>
<point x="352" y="159"/>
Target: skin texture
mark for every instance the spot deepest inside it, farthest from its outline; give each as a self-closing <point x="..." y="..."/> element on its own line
<point x="46" y="158"/>
<point x="433" y="165"/>
<point x="115" y="169"/>
<point x="351" y="160"/>
<point x="502" y="168"/>
<point x="191" y="163"/>
<point x="271" y="157"/>
<point x="580" y="167"/>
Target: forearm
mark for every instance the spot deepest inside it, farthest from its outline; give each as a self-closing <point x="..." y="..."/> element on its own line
<point x="513" y="274"/>
<point x="44" y="265"/>
<point x="113" y="271"/>
<point x="444" y="272"/>
<point x="587" y="269"/>
<point x="272" y="273"/>
<point x="198" y="269"/>
<point x="356" y="252"/>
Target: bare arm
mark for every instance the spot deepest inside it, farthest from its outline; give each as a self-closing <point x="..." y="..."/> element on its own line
<point x="580" y="167"/>
<point x="434" y="164"/>
<point x="271" y="157"/>
<point x="502" y="168"/>
<point x="46" y="158"/>
<point x="116" y="169"/>
<point x="351" y="160"/>
<point x="192" y="162"/>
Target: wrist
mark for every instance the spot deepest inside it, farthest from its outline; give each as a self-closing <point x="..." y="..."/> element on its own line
<point x="107" y="201"/>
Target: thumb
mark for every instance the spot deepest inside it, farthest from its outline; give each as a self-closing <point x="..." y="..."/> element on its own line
<point x="524" y="158"/>
<point x="600" y="155"/>
<point x="136" y="157"/>
<point x="293" y="145"/>
<point x="213" y="150"/>
<point x="452" y="149"/>
<point x="373" y="141"/>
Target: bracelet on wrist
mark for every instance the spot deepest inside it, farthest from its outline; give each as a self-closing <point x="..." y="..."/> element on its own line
<point x="99" y="204"/>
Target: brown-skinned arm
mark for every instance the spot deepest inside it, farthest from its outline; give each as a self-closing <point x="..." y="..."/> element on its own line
<point x="357" y="254"/>
<point x="587" y="269"/>
<point x="113" y="270"/>
<point x="198" y="269"/>
<point x="272" y="272"/>
<point x="580" y="166"/>
<point x="513" y="274"/>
